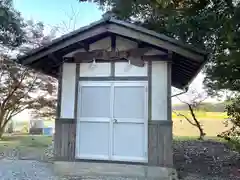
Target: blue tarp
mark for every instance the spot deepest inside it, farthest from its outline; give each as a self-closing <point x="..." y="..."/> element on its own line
<point x="48" y="131"/>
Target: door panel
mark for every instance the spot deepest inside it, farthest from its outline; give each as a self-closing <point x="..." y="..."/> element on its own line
<point x="95" y="101"/>
<point x="93" y="136"/>
<point x="128" y="141"/>
<point x="94" y="140"/>
<point x="129" y="122"/>
<point x="129" y="102"/>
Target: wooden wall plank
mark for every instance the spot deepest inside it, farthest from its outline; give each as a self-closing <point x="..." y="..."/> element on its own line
<point x="160" y="143"/>
<point x="65" y="140"/>
<point x="73" y="140"/>
<point x="152" y="145"/>
<point x="61" y="134"/>
<point x="57" y="140"/>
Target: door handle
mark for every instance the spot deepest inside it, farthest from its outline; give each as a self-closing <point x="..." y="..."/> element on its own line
<point x="115" y="120"/>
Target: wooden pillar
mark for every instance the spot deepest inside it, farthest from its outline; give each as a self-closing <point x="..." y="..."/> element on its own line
<point x="65" y="133"/>
<point x="57" y="140"/>
<point x="160" y="130"/>
<point x="65" y="127"/>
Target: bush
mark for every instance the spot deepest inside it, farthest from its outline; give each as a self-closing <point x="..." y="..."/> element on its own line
<point x="233" y="134"/>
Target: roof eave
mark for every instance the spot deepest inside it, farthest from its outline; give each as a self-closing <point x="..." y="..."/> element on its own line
<point x="117" y="22"/>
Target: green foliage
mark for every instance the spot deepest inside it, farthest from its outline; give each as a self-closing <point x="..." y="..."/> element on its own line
<point x="11" y="25"/>
<point x="233" y="134"/>
<point x="209" y="24"/>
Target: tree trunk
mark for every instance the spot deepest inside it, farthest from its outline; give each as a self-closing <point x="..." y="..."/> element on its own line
<point x="202" y="134"/>
<point x="198" y="125"/>
<point x="1" y="132"/>
<point x="3" y="125"/>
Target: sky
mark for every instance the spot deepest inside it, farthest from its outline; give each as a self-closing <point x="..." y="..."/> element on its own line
<point x="70" y="15"/>
<point x="54" y="12"/>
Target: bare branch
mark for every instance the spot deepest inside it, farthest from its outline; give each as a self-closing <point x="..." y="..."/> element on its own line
<point x="14" y="90"/>
<point x="182" y="100"/>
<point x="17" y="112"/>
<point x="180" y="114"/>
<point x="24" y="95"/>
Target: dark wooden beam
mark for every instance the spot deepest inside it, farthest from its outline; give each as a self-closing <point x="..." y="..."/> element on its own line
<point x="113" y="42"/>
<point x="144" y="58"/>
<point x="53" y="58"/>
<point x="178" y="78"/>
<point x="85" y="46"/>
<point x="113" y="48"/>
<point x="184" y="68"/>
<point x="116" y="78"/>
<point x="103" y="54"/>
<point x="170" y="54"/>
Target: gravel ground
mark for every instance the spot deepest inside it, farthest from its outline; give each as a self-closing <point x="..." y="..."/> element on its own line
<point x="194" y="160"/>
<point x="25" y="170"/>
<point x="206" y="159"/>
<point x="35" y="170"/>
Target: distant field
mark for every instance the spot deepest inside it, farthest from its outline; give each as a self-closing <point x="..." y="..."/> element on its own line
<point x="203" y="115"/>
<point x="212" y="123"/>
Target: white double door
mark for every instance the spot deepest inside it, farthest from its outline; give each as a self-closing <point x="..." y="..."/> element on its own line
<point x="112" y="121"/>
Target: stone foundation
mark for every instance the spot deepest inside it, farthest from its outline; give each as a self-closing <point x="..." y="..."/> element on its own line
<point x="94" y="169"/>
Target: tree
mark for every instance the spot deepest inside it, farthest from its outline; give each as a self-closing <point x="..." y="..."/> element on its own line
<point x="233" y="133"/>
<point x="212" y="25"/>
<point x="71" y="24"/>
<point x="194" y="102"/>
<point x="22" y="88"/>
<point x="11" y="26"/>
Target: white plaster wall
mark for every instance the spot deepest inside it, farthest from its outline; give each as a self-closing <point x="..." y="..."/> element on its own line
<point x="95" y="70"/>
<point x="124" y="44"/>
<point x="159" y="90"/>
<point x="98" y="69"/>
<point x="125" y="69"/>
<point x="101" y="44"/>
<point x="68" y="90"/>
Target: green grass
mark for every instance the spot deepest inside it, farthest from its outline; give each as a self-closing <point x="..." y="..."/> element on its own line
<point x="202" y="115"/>
<point x="26" y="144"/>
<point x="190" y="138"/>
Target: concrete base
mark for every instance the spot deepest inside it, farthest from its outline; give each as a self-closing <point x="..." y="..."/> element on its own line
<point x="113" y="169"/>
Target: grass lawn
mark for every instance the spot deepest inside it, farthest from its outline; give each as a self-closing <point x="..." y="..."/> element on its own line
<point x="212" y="123"/>
<point x="37" y="141"/>
<point x="193" y="138"/>
<point x="27" y="145"/>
